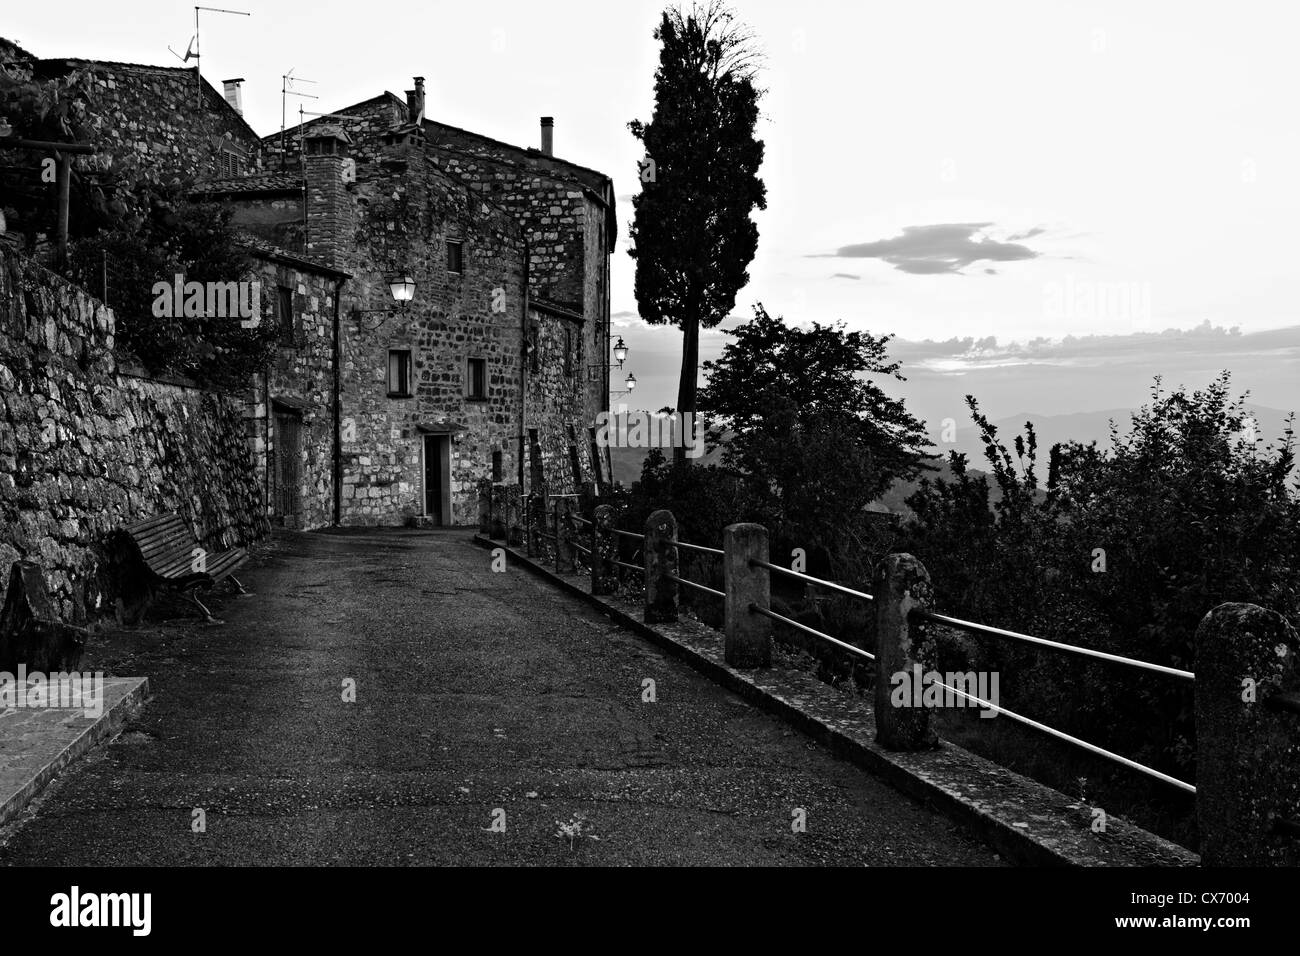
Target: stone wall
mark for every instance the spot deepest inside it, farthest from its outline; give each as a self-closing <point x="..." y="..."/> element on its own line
<point x="455" y="317"/>
<point x="552" y="213"/>
<point x="557" y="404"/>
<point x="367" y="123"/>
<point x="297" y="391"/>
<point x="152" y="114"/>
<point x="511" y="207"/>
<point x="87" y="446"/>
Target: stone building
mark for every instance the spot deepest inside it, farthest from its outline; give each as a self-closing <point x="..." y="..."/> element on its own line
<point x="495" y="369"/>
<point x="371" y="414"/>
<point x="165" y="121"/>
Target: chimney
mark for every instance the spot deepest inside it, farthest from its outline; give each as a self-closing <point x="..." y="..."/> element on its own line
<point x="232" y="94"/>
<point x="330" y="213"/>
<point x="415" y="102"/>
<point x="548" y="135"/>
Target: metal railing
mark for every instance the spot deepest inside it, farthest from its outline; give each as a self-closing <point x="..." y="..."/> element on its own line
<point x="769" y="613"/>
<point x="974" y="628"/>
<point x="809" y="579"/>
<point x="610" y="565"/>
<point x="697" y="586"/>
<point x="1062" y="735"/>
<point x="699" y="547"/>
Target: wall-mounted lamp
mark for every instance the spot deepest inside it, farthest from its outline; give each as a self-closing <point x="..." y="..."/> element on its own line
<point x="401" y="286"/>
<point x="630" y="382"/>
<point x="620" y="356"/>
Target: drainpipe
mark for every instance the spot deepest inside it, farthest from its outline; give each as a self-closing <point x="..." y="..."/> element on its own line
<point x="269" y="502"/>
<point x="523" y="365"/>
<point x="338" y="428"/>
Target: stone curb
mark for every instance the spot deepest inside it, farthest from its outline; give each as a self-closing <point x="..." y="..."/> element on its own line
<point x="1025" y="821"/>
<point x="124" y="696"/>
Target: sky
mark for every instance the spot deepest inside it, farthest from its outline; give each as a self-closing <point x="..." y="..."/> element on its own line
<point x="967" y="177"/>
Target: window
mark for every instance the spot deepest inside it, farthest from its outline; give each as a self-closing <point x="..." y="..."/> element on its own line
<point x="568" y="351"/>
<point x="476" y="381"/>
<point x="455" y="255"/>
<point x="399" y="373"/>
<point x="229" y="164"/>
<point x="285" y="317"/>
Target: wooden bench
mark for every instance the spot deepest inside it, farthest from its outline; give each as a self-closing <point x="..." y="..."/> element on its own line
<point x="172" y="558"/>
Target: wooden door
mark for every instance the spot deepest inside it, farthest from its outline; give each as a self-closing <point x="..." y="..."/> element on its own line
<point x="433" y="486"/>
<point x="288" y="469"/>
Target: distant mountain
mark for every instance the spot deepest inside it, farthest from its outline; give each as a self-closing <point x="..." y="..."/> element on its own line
<point x="627" y="462"/>
<point x="1079" y="426"/>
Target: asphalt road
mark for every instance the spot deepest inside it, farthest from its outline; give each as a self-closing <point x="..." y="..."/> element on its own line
<point x="489" y="710"/>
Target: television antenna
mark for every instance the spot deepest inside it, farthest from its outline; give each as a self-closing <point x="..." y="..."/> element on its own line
<point x="192" y="51"/>
<point x="287" y="80"/>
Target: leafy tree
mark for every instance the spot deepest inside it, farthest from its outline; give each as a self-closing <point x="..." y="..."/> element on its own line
<point x="198" y="241"/>
<point x="796" y="411"/>
<point x="692" y="235"/>
<point x="1125" y="550"/>
<point x="130" y="228"/>
<point x="105" y="190"/>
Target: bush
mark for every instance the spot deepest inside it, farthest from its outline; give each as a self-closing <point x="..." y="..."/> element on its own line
<point x="1124" y="550"/>
<point x="199" y="242"/>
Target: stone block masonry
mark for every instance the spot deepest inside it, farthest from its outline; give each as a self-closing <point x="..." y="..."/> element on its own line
<point x="88" y="445"/>
<point x="150" y="114"/>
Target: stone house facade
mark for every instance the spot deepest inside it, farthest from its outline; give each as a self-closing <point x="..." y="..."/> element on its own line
<point x="371" y="414"/>
<point x="496" y="369"/>
<point x="152" y="114"/>
<point x="164" y="122"/>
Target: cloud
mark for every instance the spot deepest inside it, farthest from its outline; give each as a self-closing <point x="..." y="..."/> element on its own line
<point x="1208" y="344"/>
<point x="942" y="248"/>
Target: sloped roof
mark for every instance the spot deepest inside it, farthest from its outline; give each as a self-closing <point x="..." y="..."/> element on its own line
<point x="49" y="64"/>
<point x="592" y="178"/>
<point x="265" y="249"/>
<point x="271" y="182"/>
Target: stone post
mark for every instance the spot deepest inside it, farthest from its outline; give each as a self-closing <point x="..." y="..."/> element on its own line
<point x="748" y="641"/>
<point x="497" y="516"/>
<point x="484" y="506"/>
<point x="660" y="547"/>
<point x="511" y="516"/>
<point x="902" y="586"/>
<point x="564" y="553"/>
<point x="604" y="549"/>
<point x="1247" y="738"/>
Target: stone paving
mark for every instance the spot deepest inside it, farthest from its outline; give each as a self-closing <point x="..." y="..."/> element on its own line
<point x="491" y="713"/>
